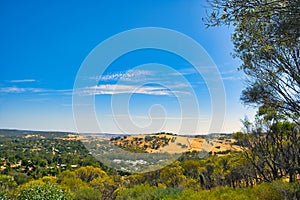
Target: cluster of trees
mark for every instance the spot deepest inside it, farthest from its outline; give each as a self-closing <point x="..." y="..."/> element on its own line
<point x="186" y="180"/>
<point x="272" y="145"/>
<point x="83" y="183"/>
<point x="271" y="154"/>
<point x="142" y="143"/>
<point x="34" y="158"/>
<point x="266" y="39"/>
<point x="276" y="191"/>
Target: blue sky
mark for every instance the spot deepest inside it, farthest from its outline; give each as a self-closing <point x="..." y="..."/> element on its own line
<point x="43" y="44"/>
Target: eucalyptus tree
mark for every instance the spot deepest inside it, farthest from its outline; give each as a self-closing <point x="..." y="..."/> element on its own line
<point x="266" y="39"/>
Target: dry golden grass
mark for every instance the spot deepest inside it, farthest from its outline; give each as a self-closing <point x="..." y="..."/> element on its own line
<point x="178" y="144"/>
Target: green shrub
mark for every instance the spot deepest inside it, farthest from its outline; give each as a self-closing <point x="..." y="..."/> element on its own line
<point x="146" y="192"/>
<point x="88" y="193"/>
<point x="278" y="190"/>
<point x="3" y="195"/>
<point x="42" y="191"/>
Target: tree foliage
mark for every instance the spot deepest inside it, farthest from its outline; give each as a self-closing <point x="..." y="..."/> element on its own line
<point x="7" y="182"/>
<point x="271" y="153"/>
<point x="42" y="191"/>
<point x="143" y="192"/>
<point x="276" y="190"/>
<point x="272" y="145"/>
<point x="89" y="173"/>
<point x="173" y="176"/>
<point x="266" y="39"/>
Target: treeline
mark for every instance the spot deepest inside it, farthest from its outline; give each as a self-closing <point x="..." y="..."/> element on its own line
<point x="266" y="40"/>
<point x="269" y="163"/>
<point x="141" y="144"/>
<point x="179" y="181"/>
<point x="33" y="158"/>
<point x="272" y="145"/>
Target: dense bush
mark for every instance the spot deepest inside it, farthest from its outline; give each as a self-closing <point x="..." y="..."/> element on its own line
<point x="146" y="192"/>
<point x="38" y="190"/>
<point x="3" y="195"/>
<point x="277" y="190"/>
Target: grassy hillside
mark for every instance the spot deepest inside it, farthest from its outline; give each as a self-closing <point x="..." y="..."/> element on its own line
<point x="218" y="144"/>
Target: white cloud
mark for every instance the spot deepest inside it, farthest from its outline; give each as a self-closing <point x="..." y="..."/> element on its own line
<point x="131" y="75"/>
<point x="110" y="89"/>
<point x="20" y="90"/>
<point x="22" y="81"/>
<point x="236" y="77"/>
<point x="187" y="71"/>
<point x="131" y="83"/>
<point x="15" y="89"/>
<point x="232" y="75"/>
<point x="233" y="71"/>
<point x="231" y="78"/>
<point x="124" y="89"/>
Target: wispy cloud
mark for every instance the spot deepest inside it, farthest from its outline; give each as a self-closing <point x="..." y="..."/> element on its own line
<point x="135" y="82"/>
<point x="20" y="90"/>
<point x="109" y="89"/>
<point x="232" y="78"/>
<point x="232" y="75"/>
<point x="14" y="89"/>
<point x="22" y="81"/>
<point x="138" y="75"/>
<point x="187" y="71"/>
<point x="124" y="89"/>
<point x="233" y="71"/>
<point x="124" y="76"/>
